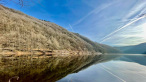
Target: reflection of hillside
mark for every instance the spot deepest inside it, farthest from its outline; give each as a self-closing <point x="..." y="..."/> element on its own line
<point x="100" y="59"/>
<point x="46" y="70"/>
<point x="42" y="70"/>
<point x="138" y="58"/>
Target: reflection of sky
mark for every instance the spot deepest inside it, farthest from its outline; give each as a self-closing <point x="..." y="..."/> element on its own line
<point x="113" y="71"/>
<point x="94" y="18"/>
<point x="92" y="74"/>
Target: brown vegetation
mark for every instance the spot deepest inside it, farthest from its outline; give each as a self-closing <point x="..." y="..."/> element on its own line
<point x="21" y="32"/>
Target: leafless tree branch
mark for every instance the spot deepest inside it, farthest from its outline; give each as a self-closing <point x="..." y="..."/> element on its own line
<point x="19" y="2"/>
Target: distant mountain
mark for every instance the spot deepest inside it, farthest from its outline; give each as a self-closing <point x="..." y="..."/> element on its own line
<point x="20" y="32"/>
<point x="144" y="53"/>
<point x="136" y="49"/>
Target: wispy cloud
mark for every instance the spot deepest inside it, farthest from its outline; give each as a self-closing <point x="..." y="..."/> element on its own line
<point x="132" y="35"/>
<point x="110" y="19"/>
<point x="71" y="28"/>
<point x="139" y="8"/>
<point x="96" y="10"/>
<point x="109" y="35"/>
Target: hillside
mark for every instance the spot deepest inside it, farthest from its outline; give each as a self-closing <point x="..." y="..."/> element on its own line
<point x="136" y="49"/>
<point x="110" y="49"/>
<point x="22" y="32"/>
<point x="99" y="47"/>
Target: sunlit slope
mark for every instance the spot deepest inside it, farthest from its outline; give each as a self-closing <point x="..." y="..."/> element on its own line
<point x="22" y="32"/>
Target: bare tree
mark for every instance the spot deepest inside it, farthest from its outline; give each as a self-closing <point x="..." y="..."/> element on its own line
<point x="3" y="1"/>
<point x="19" y="2"/>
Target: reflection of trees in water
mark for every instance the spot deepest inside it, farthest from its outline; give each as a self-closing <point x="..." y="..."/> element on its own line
<point x="44" y="70"/>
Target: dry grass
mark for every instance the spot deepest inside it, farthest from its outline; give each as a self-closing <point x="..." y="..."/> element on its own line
<point x="20" y="31"/>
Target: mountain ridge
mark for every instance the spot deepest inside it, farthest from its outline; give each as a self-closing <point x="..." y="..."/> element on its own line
<point x="135" y="49"/>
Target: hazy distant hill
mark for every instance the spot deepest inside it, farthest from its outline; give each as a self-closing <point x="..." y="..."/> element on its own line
<point x="144" y="53"/>
<point x="20" y="31"/>
<point x="136" y="49"/>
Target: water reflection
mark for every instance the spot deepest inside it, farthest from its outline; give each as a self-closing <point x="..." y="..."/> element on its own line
<point x="138" y="58"/>
<point x="50" y="69"/>
<point x="122" y="69"/>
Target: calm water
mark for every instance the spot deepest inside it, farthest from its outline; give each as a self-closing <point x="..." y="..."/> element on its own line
<point x="126" y="68"/>
<point x="88" y="68"/>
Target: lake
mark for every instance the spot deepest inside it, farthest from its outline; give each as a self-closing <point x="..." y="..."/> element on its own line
<point x="126" y="68"/>
<point x="78" y="68"/>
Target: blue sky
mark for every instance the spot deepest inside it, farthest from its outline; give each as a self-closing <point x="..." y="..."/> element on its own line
<point x="102" y="21"/>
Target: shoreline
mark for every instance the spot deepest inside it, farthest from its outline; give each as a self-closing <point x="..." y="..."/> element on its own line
<point x="43" y="53"/>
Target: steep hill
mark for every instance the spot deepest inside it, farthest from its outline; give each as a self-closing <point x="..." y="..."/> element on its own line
<point x="136" y="49"/>
<point x="21" y="32"/>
